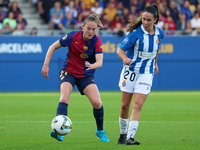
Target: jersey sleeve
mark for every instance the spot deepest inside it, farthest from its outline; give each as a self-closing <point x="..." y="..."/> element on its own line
<point x="129" y="41"/>
<point x="67" y="39"/>
<point x="162" y="34"/>
<point x="98" y="46"/>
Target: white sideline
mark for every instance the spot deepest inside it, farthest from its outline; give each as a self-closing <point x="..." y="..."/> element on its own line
<point x="168" y="122"/>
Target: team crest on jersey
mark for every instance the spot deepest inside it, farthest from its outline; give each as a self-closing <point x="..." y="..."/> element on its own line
<point x="85" y="48"/>
<point x="157" y="41"/>
<point x="125" y="40"/>
<point x="64" y="37"/>
<point x="124" y="83"/>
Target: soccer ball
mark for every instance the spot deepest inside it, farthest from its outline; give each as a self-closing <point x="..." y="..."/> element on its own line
<point x="61" y="124"/>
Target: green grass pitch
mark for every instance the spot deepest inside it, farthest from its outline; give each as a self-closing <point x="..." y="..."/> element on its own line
<point x="169" y="121"/>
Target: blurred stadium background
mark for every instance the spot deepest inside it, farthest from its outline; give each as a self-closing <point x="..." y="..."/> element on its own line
<point x="28" y="101"/>
<point x="28" y="27"/>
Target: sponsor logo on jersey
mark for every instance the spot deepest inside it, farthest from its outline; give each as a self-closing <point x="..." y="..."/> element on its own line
<point x="84" y="56"/>
<point x="77" y="42"/>
<point x="147" y="55"/>
<point x="85" y="48"/>
<point x="124" y="83"/>
<point x="64" y="37"/>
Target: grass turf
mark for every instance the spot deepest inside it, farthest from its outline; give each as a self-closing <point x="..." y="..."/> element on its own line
<point x="169" y="121"/>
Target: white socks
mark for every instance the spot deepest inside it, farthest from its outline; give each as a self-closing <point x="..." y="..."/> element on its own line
<point x="133" y="125"/>
<point x="123" y="124"/>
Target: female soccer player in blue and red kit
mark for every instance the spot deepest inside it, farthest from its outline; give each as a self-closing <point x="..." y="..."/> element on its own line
<point x="84" y="56"/>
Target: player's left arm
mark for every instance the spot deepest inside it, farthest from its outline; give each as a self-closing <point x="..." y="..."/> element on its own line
<point x="156" y="70"/>
<point x="97" y="64"/>
<point x="162" y="34"/>
<point x="98" y="56"/>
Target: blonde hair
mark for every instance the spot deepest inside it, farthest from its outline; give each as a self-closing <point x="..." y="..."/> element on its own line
<point x="95" y="18"/>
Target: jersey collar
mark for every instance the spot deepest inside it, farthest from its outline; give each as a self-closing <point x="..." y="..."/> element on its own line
<point x="90" y="41"/>
<point x="156" y="29"/>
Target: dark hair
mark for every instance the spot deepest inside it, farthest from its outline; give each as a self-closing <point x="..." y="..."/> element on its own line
<point x="153" y="9"/>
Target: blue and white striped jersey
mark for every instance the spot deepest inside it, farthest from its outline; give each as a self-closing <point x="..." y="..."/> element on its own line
<point x="142" y="48"/>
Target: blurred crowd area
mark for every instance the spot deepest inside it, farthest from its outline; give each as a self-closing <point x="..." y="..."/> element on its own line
<point x="12" y="21"/>
<point x="177" y="17"/>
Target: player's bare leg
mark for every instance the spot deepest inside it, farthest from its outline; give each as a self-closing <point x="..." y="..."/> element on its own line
<point x="137" y="104"/>
<point x="124" y="116"/>
<point x="65" y="91"/>
<point x="92" y="92"/>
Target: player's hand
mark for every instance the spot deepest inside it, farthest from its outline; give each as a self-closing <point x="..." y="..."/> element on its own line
<point x="127" y="61"/>
<point x="87" y="64"/>
<point x="156" y="69"/>
<point x="45" y="71"/>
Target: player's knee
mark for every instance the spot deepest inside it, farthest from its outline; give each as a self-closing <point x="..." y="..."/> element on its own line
<point x="97" y="105"/>
<point x="64" y="99"/>
<point x="124" y="106"/>
<point x="137" y="105"/>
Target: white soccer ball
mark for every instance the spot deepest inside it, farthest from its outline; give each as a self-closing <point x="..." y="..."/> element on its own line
<point x="61" y="124"/>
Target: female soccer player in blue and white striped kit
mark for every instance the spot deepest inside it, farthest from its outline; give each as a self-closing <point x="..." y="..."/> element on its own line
<point x="139" y="51"/>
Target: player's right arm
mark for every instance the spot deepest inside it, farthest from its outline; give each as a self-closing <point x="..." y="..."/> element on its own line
<point x="122" y="55"/>
<point x="50" y="52"/>
<point x="126" y="44"/>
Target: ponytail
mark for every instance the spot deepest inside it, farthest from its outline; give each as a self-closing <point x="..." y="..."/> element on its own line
<point x="157" y="15"/>
<point x="133" y="24"/>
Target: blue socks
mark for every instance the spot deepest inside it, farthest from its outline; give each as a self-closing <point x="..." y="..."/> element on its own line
<point x="98" y="115"/>
<point x="62" y="109"/>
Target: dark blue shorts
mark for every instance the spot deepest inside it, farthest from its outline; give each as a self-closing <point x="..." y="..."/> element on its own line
<point x="81" y="83"/>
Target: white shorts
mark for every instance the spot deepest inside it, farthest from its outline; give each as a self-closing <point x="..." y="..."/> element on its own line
<point x="131" y="82"/>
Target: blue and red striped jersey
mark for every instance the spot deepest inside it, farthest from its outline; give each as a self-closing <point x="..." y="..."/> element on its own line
<point x="80" y="51"/>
